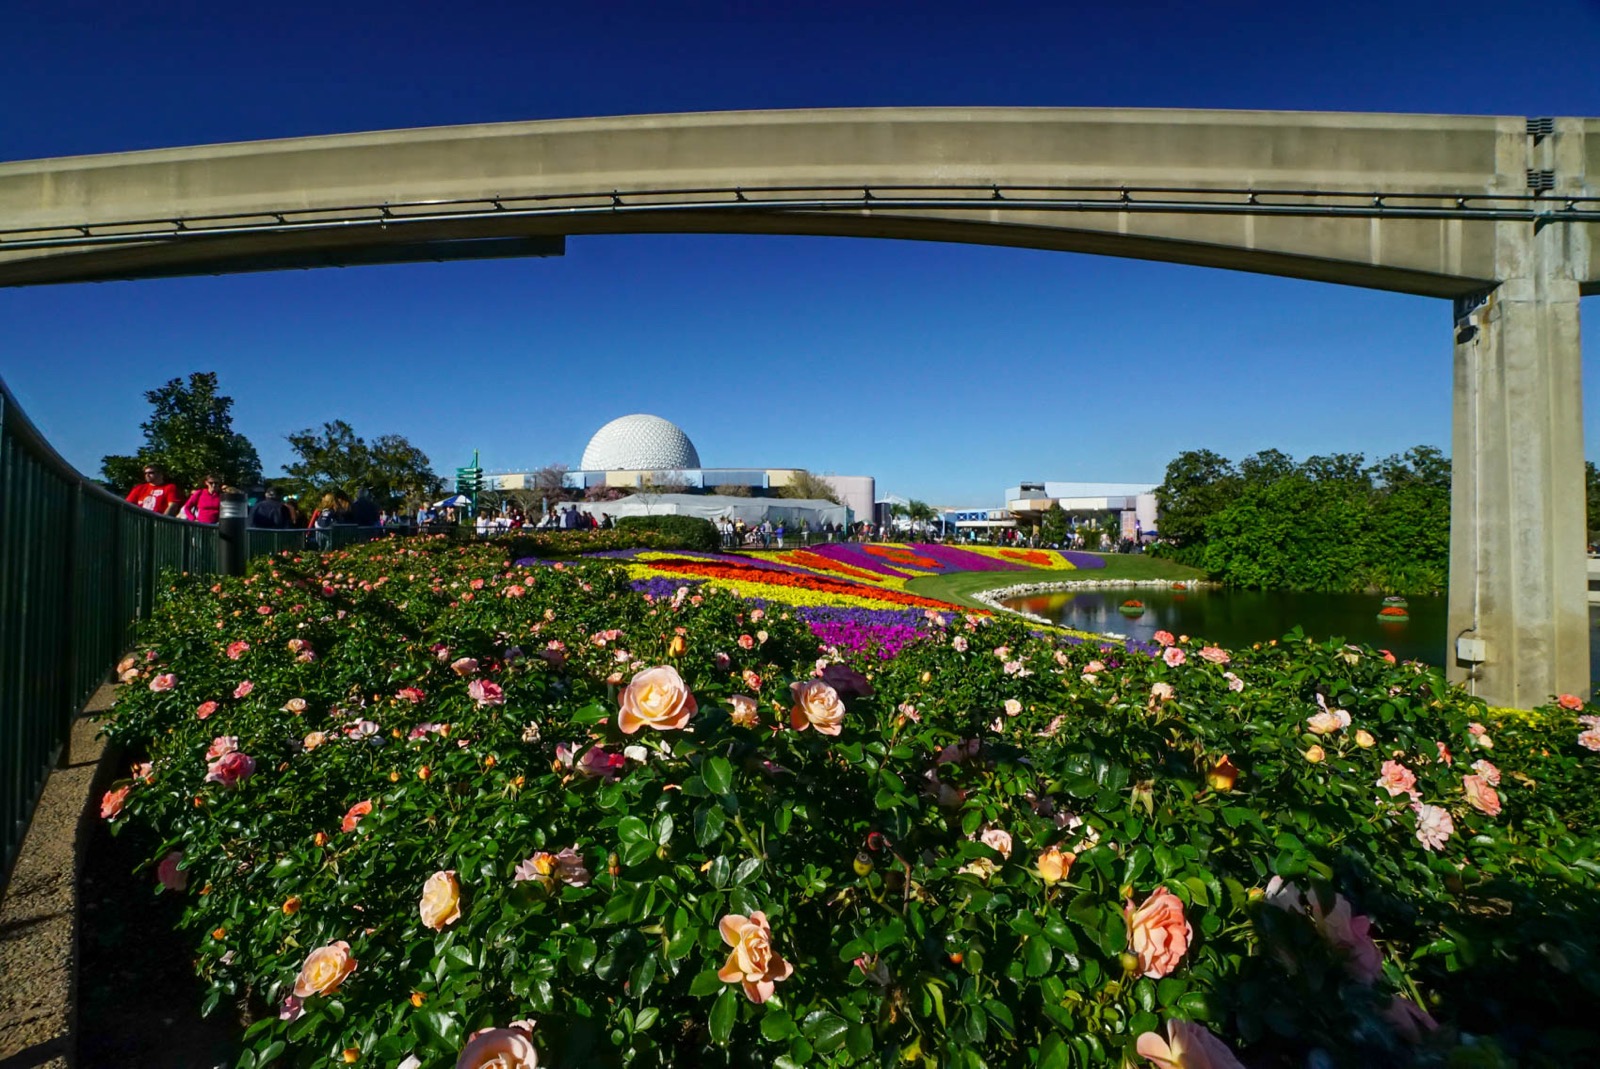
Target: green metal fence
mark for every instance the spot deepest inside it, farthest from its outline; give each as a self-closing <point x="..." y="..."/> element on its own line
<point x="78" y="571"/>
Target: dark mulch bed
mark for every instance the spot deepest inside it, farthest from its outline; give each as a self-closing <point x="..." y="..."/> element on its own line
<point x="138" y="996"/>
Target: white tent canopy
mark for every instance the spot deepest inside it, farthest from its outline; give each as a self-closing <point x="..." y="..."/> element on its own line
<point x="751" y="510"/>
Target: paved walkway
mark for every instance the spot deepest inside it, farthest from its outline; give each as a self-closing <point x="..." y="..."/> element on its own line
<point x="38" y="936"/>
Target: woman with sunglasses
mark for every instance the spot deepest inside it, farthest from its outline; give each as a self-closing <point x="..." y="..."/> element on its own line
<point x="204" y="504"/>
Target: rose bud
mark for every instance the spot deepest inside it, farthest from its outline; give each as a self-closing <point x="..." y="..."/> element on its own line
<point x="1222" y="776"/>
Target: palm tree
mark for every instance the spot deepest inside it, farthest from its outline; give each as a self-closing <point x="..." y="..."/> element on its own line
<point x="921" y="515"/>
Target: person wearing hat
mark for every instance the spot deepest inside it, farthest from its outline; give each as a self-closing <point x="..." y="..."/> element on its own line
<point x="270" y="513"/>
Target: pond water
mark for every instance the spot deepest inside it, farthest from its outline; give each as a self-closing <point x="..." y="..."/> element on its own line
<point x="1233" y="618"/>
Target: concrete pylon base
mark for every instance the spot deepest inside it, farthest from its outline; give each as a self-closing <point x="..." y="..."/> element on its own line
<point x="1518" y="612"/>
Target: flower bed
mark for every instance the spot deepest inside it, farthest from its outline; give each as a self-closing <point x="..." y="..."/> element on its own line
<point x="410" y="797"/>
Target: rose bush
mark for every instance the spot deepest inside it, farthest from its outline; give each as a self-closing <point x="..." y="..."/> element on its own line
<point x="998" y="847"/>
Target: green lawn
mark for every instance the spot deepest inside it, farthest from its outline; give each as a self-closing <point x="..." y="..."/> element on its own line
<point x="957" y="586"/>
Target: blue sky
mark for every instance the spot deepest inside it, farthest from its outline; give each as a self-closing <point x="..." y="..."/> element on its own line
<point x="948" y="372"/>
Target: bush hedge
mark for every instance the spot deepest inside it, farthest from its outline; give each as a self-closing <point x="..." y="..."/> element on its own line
<point x="691" y="531"/>
<point x="993" y="849"/>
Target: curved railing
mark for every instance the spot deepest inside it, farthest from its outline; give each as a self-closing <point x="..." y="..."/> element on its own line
<point x="78" y="571"/>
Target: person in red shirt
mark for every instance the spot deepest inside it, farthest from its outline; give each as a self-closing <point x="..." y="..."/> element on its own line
<point x="156" y="493"/>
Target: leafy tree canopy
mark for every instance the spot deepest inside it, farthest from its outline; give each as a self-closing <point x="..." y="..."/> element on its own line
<point x="809" y="487"/>
<point x="190" y="434"/>
<point x="337" y="459"/>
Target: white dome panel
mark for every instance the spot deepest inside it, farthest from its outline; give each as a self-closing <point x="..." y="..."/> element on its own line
<point x="639" y="443"/>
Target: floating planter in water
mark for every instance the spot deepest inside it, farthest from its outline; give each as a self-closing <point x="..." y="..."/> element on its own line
<point x="1395" y="614"/>
<point x="1180" y="586"/>
<point x="1131" y="607"/>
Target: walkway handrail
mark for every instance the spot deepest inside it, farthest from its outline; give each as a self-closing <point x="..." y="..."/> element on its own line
<point x="78" y="570"/>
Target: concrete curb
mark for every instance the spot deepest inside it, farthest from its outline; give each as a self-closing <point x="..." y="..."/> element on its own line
<point x="40" y="912"/>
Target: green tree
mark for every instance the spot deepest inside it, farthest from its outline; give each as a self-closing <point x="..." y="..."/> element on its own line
<point x="810" y="487"/>
<point x="1591" y="478"/>
<point x="1199" y="484"/>
<point x="921" y="514"/>
<point x="336" y="458"/>
<point x="190" y="434"/>
<point x="1053" y="528"/>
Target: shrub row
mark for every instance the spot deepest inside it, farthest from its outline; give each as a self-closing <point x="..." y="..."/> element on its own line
<point x="411" y="795"/>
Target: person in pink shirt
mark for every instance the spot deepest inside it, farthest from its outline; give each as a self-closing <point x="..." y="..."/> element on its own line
<point x="155" y="493"/>
<point x="205" y="503"/>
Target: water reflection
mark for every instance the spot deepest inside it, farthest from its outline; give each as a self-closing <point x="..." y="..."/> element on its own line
<point x="1234" y="618"/>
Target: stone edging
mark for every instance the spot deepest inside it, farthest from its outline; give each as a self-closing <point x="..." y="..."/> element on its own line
<point x="994" y="596"/>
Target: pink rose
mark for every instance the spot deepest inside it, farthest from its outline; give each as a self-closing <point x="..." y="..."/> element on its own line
<point x="499" y="1048"/>
<point x="1173" y="656"/>
<point x="1397" y="779"/>
<point x="205" y="709"/>
<point x="111" y="802"/>
<point x="243" y="689"/>
<point x="171" y="876"/>
<point x="291" y="1008"/>
<point x="752" y="963"/>
<point x="222" y="744"/>
<point x="1350" y="937"/>
<point x="1490" y="774"/>
<point x="1187" y="1046"/>
<point x="1590" y="740"/>
<point x="411" y="694"/>
<point x="658" y="698"/>
<point x="1434" y="826"/>
<point x="816" y="705"/>
<point x="231" y="769"/>
<point x="1445" y="757"/>
<point x="486" y="693"/>
<point x="352" y="818"/>
<point x="1570" y="701"/>
<point x="746" y="642"/>
<point x="1158" y="934"/>
<point x="324" y="970"/>
<point x="602" y="764"/>
<point x="959" y="644"/>
<point x="166" y="681"/>
<point x="1235" y="684"/>
<point x="1408" y="1020"/>
<point x="237" y="649"/>
<point x="1214" y="655"/>
<point x="1480" y="796"/>
<point x="1163" y="638"/>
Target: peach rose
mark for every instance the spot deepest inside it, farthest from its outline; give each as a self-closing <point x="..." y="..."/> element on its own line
<point x="165" y="681"/>
<point x="1158" y="934"/>
<point x="205" y="709"/>
<point x="499" y="1048"/>
<point x="325" y="969"/>
<point x="313" y="740"/>
<point x="1215" y="655"/>
<point x="295" y="706"/>
<point x="1054" y="866"/>
<point x="752" y="962"/>
<point x="744" y="711"/>
<point x="1187" y="1046"/>
<point x="1566" y="701"/>
<point x="998" y="840"/>
<point x="1163" y="638"/>
<point x="657" y="697"/>
<point x="353" y="817"/>
<point x="1397" y="779"/>
<point x="816" y="705"/>
<point x="441" y="900"/>
<point x="1480" y="796"/>
<point x="112" y="802"/>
